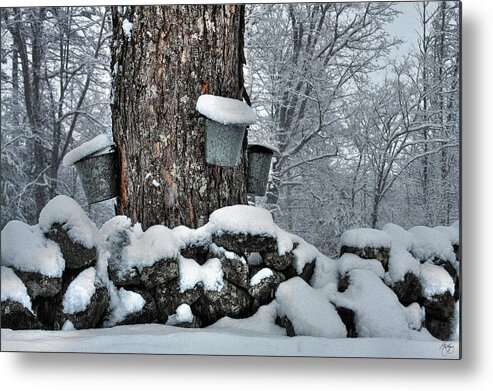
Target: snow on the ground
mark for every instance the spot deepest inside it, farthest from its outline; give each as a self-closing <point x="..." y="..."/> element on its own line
<point x="260" y="275"/>
<point x="80" y="292"/>
<point x="378" y="312"/>
<point x="65" y="211"/>
<point x="160" y="339"/>
<point x="435" y="280"/>
<point x="365" y="237"/>
<point x="225" y="110"/>
<point x="429" y="243"/>
<point x="243" y="219"/>
<point x="401" y="262"/>
<point x="90" y="147"/>
<point x="183" y="314"/>
<point x="308" y="310"/>
<point x="263" y="321"/>
<point x="68" y="326"/>
<point x="399" y="235"/>
<point x="348" y="262"/>
<point x="13" y="288"/>
<point x="122" y="304"/>
<point x="146" y="248"/>
<point x="25" y="248"/>
<point x="210" y="274"/>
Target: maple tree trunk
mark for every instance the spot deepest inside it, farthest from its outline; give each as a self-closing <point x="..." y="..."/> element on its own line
<point x="170" y="56"/>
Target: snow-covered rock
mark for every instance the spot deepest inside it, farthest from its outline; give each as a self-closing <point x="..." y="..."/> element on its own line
<point x="209" y="275"/>
<point x="26" y="249"/>
<point x="263" y="285"/>
<point x="399" y="235"/>
<point x="348" y="262"/>
<point x="429" y="243"/>
<point x="231" y="301"/>
<point x="169" y="296"/>
<point x="378" y="312"/>
<point x="235" y="268"/>
<point x="16" y="316"/>
<point x="85" y="301"/>
<point x="14" y="289"/>
<point x="367" y="243"/>
<point x="308" y="311"/>
<point x="147" y="258"/>
<point x="365" y="237"/>
<point x="435" y="280"/>
<point x="225" y="110"/>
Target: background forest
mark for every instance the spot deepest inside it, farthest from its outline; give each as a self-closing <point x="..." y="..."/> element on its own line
<point x="367" y="123"/>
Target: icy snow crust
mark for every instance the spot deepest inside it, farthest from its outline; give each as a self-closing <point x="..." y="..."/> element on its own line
<point x="13" y="288"/>
<point x="88" y="148"/>
<point x="365" y="237"/>
<point x="25" y="248"/>
<point x="225" y="110"/>
<point x="65" y="211"/>
<point x="80" y="291"/>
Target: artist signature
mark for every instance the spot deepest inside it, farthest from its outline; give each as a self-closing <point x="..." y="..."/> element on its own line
<point x="447" y="348"/>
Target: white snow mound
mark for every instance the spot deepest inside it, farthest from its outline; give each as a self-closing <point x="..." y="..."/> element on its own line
<point x="225" y="110"/>
<point x="308" y="310"/>
<point x="378" y="312"/>
<point x="183" y="314"/>
<point x="80" y="292"/>
<point x="26" y="249"/>
<point x="13" y="288"/>
<point x="348" y="262"/>
<point x="401" y="262"/>
<point x="435" y="280"/>
<point x="243" y="219"/>
<point x="399" y="235"/>
<point x="261" y="275"/>
<point x="429" y="243"/>
<point x="210" y="274"/>
<point x="365" y="237"/>
<point x="68" y="213"/>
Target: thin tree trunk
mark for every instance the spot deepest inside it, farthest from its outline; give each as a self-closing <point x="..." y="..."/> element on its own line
<point x="173" y="54"/>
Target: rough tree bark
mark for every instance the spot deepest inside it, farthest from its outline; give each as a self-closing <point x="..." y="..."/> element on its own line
<point x="171" y="56"/>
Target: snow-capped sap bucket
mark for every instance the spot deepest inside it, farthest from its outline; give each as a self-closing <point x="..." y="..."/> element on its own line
<point x="225" y="125"/>
<point x="97" y="166"/>
<point x="259" y="162"/>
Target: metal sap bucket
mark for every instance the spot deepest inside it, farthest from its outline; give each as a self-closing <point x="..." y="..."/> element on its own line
<point x="223" y="143"/>
<point x="259" y="163"/>
<point x="99" y="176"/>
